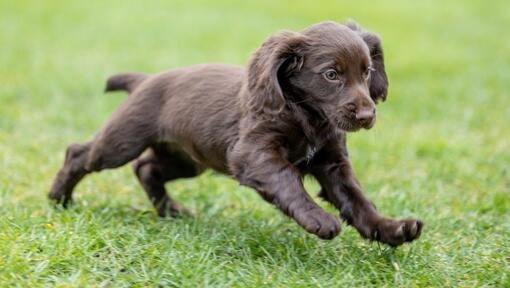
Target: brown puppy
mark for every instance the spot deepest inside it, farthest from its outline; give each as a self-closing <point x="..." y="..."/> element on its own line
<point x="284" y="116"/>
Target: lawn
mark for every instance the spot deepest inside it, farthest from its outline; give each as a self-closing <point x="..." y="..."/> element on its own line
<point x="440" y="149"/>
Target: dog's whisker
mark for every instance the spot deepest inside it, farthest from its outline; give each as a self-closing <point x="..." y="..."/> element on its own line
<point x="307" y="100"/>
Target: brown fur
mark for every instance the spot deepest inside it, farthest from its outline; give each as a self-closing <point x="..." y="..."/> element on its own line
<point x="284" y="116"/>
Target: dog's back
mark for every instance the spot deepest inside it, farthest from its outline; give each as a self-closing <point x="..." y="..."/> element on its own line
<point x="194" y="104"/>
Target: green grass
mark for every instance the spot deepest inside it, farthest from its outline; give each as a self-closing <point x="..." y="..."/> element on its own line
<point x="440" y="149"/>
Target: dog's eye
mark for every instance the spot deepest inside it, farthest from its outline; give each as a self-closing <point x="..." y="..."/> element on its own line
<point x="366" y="74"/>
<point x="331" y="75"/>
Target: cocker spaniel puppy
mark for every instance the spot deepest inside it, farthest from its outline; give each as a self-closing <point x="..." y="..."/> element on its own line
<point x="267" y="125"/>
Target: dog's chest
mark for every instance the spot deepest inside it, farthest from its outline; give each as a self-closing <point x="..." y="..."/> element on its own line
<point x="304" y="144"/>
<point x="305" y="153"/>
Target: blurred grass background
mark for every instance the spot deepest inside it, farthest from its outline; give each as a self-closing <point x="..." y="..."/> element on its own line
<point x="439" y="150"/>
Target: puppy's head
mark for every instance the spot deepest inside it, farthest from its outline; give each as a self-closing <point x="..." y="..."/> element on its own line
<point x="333" y="70"/>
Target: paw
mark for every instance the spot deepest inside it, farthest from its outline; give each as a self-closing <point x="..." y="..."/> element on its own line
<point x="320" y="223"/>
<point x="173" y="210"/>
<point x="58" y="195"/>
<point x="396" y="232"/>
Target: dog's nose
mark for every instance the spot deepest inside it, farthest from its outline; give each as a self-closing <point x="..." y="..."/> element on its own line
<point x="365" y="114"/>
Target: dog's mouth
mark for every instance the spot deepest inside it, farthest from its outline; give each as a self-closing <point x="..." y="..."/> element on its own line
<point x="349" y="123"/>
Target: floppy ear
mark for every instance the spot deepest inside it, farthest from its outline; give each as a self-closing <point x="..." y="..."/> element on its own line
<point x="378" y="78"/>
<point x="279" y="55"/>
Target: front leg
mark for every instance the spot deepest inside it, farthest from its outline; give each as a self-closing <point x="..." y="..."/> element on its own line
<point x="279" y="183"/>
<point x="341" y="188"/>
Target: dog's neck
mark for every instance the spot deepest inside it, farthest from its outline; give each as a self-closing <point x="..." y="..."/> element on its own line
<point x="312" y="119"/>
<point x="314" y="127"/>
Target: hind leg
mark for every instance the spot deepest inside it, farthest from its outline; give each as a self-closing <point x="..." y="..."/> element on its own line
<point x="71" y="173"/>
<point x="121" y="140"/>
<point x="160" y="165"/>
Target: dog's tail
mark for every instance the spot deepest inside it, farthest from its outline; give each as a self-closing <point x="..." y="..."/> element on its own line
<point x="125" y="81"/>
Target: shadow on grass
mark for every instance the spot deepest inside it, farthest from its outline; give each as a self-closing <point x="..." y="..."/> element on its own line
<point x="241" y="238"/>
